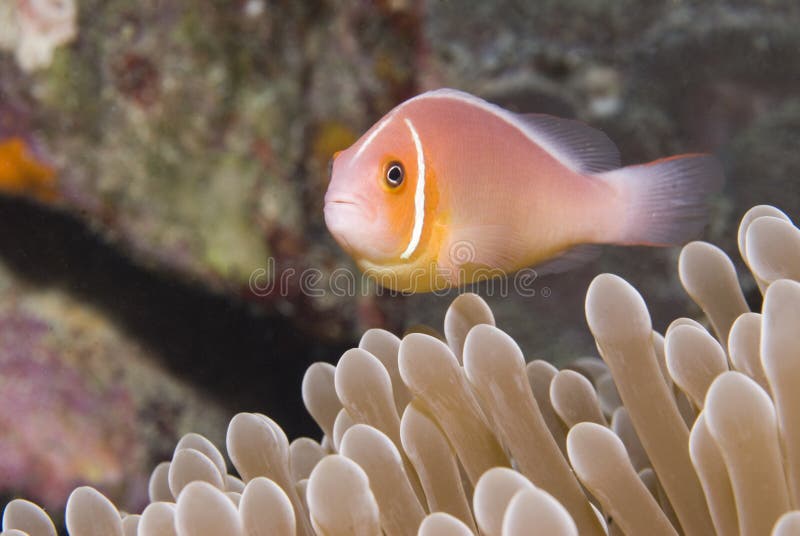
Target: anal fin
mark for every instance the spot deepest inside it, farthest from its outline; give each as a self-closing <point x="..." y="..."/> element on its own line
<point x="570" y="259"/>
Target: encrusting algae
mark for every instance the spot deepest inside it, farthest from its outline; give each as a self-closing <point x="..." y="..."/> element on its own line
<point x="694" y="433"/>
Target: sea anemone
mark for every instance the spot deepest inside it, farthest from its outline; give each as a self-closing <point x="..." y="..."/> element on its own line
<point x="696" y="432"/>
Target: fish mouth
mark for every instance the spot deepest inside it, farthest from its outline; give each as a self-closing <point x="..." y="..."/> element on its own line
<point x="341" y="202"/>
<point x="340" y="198"/>
<point x="333" y="203"/>
<point x="337" y="204"/>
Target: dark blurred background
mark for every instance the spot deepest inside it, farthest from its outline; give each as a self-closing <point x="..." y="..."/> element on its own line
<point x="159" y="157"/>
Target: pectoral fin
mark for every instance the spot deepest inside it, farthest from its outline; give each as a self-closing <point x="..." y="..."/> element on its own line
<point x="481" y="252"/>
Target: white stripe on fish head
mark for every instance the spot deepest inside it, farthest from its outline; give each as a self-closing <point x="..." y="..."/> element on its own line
<point x="419" y="195"/>
<point x="377" y="130"/>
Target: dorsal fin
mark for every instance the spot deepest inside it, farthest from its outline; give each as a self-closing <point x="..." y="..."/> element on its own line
<point x="577" y="145"/>
<point x="582" y="147"/>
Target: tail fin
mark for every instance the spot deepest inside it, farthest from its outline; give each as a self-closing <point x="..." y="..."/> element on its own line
<point x="665" y="200"/>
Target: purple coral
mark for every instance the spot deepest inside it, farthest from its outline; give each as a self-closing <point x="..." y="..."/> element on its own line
<point x="61" y="426"/>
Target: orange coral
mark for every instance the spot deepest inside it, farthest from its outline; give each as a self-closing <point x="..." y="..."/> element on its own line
<point x="22" y="174"/>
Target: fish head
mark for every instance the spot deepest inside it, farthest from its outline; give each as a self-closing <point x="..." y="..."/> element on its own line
<point x="370" y="205"/>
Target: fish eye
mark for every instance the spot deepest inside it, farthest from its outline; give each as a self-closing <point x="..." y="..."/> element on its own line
<point x="395" y="174"/>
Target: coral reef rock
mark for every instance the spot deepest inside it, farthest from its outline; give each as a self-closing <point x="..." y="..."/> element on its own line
<point x="81" y="403"/>
<point x="196" y="134"/>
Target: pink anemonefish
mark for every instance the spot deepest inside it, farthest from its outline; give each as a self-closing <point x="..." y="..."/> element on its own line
<point x="448" y="189"/>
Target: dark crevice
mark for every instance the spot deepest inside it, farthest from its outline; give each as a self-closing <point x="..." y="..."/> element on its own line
<point x="248" y="359"/>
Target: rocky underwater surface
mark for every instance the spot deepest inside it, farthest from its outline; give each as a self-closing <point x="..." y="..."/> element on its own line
<point x="162" y="164"/>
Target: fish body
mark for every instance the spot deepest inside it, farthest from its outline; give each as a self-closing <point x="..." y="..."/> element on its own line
<point x="448" y="189"/>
